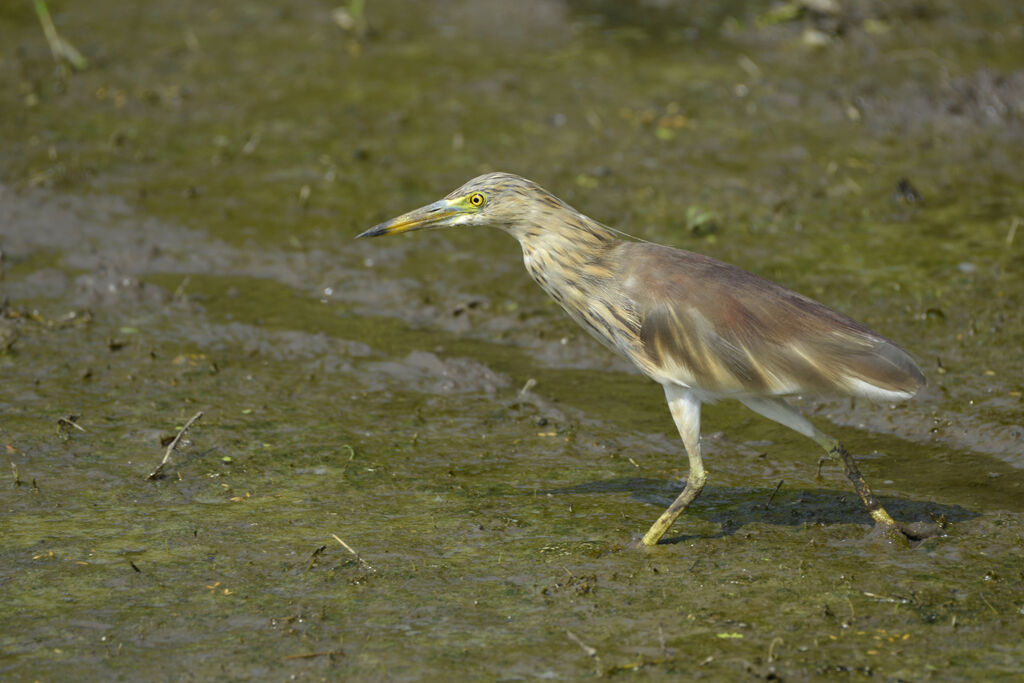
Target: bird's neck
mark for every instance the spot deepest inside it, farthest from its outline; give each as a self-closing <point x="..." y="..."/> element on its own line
<point x="562" y="228"/>
<point x="567" y="257"/>
<point x="577" y="266"/>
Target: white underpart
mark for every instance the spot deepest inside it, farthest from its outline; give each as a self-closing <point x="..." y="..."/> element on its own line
<point x="867" y="390"/>
<point x="777" y="410"/>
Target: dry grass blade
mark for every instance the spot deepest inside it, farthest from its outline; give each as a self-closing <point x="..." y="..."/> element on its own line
<point x="349" y="548"/>
<point x="174" y="444"/>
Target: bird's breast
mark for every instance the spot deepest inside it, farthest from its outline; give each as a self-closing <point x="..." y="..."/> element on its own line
<point x="586" y="290"/>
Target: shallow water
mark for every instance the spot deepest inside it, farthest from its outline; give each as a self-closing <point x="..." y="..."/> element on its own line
<point x="175" y="230"/>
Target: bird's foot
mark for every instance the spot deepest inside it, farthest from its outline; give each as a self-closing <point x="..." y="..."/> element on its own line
<point x="641" y="543"/>
<point x="909" y="534"/>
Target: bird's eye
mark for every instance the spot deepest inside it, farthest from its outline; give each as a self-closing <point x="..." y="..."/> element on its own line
<point x="476" y="199"/>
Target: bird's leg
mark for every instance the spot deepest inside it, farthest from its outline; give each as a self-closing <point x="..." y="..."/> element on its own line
<point x="778" y="410"/>
<point x="837" y="451"/>
<point x="685" y="410"/>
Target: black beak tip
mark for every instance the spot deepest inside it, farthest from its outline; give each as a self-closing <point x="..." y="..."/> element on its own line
<point x="375" y="231"/>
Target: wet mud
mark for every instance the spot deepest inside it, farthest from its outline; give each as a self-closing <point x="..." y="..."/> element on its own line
<point x="410" y="464"/>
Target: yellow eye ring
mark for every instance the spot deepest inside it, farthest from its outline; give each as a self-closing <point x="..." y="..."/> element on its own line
<point x="476" y="199"/>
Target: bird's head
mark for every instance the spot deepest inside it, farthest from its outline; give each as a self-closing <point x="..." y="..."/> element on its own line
<point x="500" y="200"/>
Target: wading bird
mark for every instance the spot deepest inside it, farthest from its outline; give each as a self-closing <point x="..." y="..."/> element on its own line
<point x="703" y="329"/>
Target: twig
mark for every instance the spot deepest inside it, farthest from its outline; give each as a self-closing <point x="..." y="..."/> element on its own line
<point x="60" y="48"/>
<point x="821" y="461"/>
<point x="70" y="421"/>
<point x="530" y="384"/>
<point x="179" y="292"/>
<point x="771" y="648"/>
<point x="591" y="652"/>
<point x="351" y="457"/>
<point x="777" y="487"/>
<point x="174" y="444"/>
<point x="985" y="600"/>
<point x="315" y="554"/>
<point x="640" y="663"/>
<point x="886" y="598"/>
<point x="1014" y="224"/>
<point x="311" y="655"/>
<point x="347" y="547"/>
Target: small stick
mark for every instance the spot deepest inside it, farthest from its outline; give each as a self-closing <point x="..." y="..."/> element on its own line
<point x="1012" y="231"/>
<point x="886" y="598"/>
<point x="315" y="554"/>
<point x="311" y="655"/>
<point x="70" y="421"/>
<point x="985" y="600"/>
<point x="60" y="48"/>
<point x="179" y="293"/>
<point x="174" y="444"/>
<point x="777" y="487"/>
<point x="771" y="648"/>
<point x="591" y="652"/>
<point x="347" y="547"/>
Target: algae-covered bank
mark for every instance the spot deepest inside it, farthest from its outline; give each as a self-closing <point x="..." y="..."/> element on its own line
<point x="410" y="464"/>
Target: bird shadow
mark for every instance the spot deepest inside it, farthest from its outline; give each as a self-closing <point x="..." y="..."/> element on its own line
<point x="732" y="508"/>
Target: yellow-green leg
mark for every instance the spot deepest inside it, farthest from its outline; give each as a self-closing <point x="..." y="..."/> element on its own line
<point x="685" y="410"/>
<point x="860" y="485"/>
<point x="777" y="410"/>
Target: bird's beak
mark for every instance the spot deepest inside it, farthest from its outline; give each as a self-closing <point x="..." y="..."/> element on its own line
<point x="434" y="215"/>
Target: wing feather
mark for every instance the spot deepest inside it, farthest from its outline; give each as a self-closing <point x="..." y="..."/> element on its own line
<point x="717" y="328"/>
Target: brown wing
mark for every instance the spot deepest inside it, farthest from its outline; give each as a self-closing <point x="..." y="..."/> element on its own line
<point x="717" y="328"/>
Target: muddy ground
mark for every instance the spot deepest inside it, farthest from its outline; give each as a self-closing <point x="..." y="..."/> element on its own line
<point x="410" y="464"/>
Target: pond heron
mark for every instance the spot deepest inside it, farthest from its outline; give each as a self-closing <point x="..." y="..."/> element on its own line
<point x="703" y="329"/>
